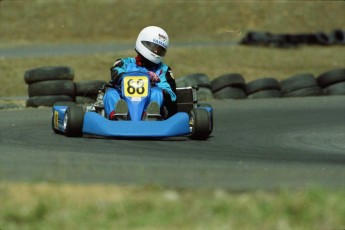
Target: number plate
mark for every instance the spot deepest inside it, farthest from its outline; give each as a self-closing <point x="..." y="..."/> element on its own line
<point x="135" y="86"/>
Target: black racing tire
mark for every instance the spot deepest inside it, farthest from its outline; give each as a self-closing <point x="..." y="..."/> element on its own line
<point x="302" y="39"/>
<point x="200" y="120"/>
<point x="262" y="84"/>
<point x="47" y="100"/>
<point x="88" y="88"/>
<point x="299" y="81"/>
<point x="180" y="82"/>
<point x="197" y="79"/>
<point x="185" y="107"/>
<point x="85" y="100"/>
<point x="256" y="38"/>
<point x="338" y="36"/>
<point x="204" y="94"/>
<point x="324" y="39"/>
<point x="74" y="119"/>
<point x="230" y="93"/>
<point x="54" y="87"/>
<point x="310" y="39"/>
<point x="200" y="105"/>
<point x="280" y="40"/>
<point x="269" y="93"/>
<point x="291" y="39"/>
<point x="331" y="77"/>
<point x="48" y="73"/>
<point x="305" y="92"/>
<point x="232" y="79"/>
<point x="335" y="89"/>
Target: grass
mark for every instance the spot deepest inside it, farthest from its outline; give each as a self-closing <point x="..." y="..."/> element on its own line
<point x="59" y="21"/>
<point x="24" y="23"/>
<point x="57" y="206"/>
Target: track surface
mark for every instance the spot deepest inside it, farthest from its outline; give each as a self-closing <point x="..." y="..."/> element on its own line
<point x="49" y="50"/>
<point x="256" y="144"/>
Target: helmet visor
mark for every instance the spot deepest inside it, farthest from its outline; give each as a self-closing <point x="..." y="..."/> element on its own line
<point x="157" y="49"/>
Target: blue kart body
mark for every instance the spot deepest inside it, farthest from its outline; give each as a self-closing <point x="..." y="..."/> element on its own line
<point x="177" y="125"/>
<point x="96" y="124"/>
<point x="75" y="120"/>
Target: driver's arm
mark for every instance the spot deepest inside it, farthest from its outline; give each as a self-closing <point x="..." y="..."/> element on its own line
<point x="116" y="72"/>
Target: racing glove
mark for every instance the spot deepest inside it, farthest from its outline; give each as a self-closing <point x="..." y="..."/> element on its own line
<point x="154" y="78"/>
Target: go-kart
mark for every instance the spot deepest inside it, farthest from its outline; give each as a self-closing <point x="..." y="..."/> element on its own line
<point x="192" y="119"/>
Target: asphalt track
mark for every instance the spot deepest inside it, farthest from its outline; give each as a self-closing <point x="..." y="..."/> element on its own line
<point x="256" y="144"/>
<point x="49" y="50"/>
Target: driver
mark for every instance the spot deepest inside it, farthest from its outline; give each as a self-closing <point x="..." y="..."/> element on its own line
<point x="151" y="46"/>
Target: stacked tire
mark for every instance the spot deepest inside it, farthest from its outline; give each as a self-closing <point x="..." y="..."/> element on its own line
<point x="87" y="90"/>
<point x="199" y="80"/>
<point x="47" y="85"/>
<point x="300" y="85"/>
<point x="229" y="86"/>
<point x="332" y="82"/>
<point x="259" y="38"/>
<point x="233" y="86"/>
<point x="267" y="87"/>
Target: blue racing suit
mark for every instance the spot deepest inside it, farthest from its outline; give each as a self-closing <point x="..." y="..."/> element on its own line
<point x="163" y="91"/>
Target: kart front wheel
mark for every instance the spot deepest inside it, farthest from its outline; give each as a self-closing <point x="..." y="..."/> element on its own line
<point x="200" y="124"/>
<point x="73" y="121"/>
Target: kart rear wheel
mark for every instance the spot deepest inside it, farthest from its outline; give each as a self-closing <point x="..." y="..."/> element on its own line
<point x="209" y="108"/>
<point x="73" y="121"/>
<point x="200" y="123"/>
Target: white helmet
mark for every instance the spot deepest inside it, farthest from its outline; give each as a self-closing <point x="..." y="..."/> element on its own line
<point x="152" y="43"/>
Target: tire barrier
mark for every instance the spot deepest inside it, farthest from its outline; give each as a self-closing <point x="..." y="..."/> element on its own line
<point x="48" y="73"/>
<point x="46" y="100"/>
<point x="233" y="85"/>
<point x="264" y="87"/>
<point x="230" y="86"/>
<point x="48" y="85"/>
<point x="59" y="86"/>
<point x="300" y="85"/>
<point x="258" y="38"/>
<point x="199" y="80"/>
<point x="86" y="91"/>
